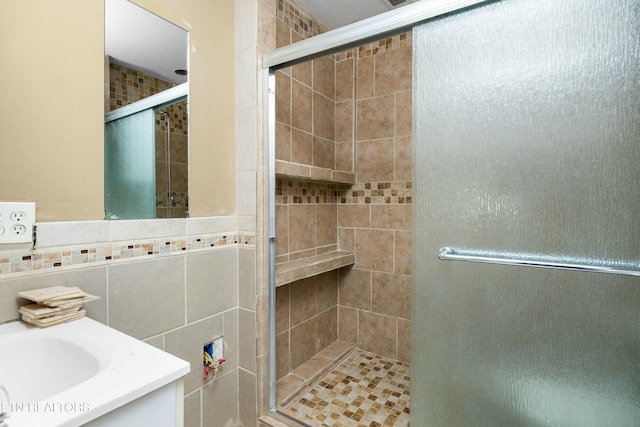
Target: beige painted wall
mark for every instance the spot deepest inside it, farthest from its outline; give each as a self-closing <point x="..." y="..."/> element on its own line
<point x="52" y="105"/>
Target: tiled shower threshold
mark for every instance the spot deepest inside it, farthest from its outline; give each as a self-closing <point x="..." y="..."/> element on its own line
<point x="343" y="386"/>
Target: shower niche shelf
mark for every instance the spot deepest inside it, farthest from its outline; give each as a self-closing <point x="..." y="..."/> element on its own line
<point x="312" y="173"/>
<point x="290" y="271"/>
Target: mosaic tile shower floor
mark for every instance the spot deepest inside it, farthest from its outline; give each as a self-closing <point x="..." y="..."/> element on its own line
<point x="362" y="390"/>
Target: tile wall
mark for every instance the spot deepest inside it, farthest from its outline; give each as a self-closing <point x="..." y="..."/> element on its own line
<point x="306" y="320"/>
<point x="172" y="283"/>
<point x="371" y="126"/>
<point x="127" y="85"/>
<point x="306" y="212"/>
<point x="374" y="216"/>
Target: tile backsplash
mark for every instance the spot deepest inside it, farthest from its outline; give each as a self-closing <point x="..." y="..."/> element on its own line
<point x="72" y="245"/>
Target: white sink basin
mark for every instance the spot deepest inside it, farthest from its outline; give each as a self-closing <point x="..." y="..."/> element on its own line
<point x="70" y="374"/>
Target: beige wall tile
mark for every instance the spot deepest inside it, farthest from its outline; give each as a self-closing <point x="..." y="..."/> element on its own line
<point x="354" y="215"/>
<point x="327" y="288"/>
<point x="282" y="308"/>
<point x="232" y="341"/>
<point x="326" y="225"/>
<point x="324" y="77"/>
<point x="389" y="216"/>
<point x="302" y="300"/>
<point x="374" y="160"/>
<point x="347" y="239"/>
<point x="302" y="73"/>
<point x="391" y="294"/>
<point x="246" y="338"/>
<point x="403" y="252"/>
<point x="283" y="366"/>
<point x="404" y="113"/>
<point x="282" y="229"/>
<point x="355" y="288"/>
<point x="344" y="80"/>
<point x="136" y="307"/>
<point x="344" y="121"/>
<point x="377" y="333"/>
<point x="283" y="141"/>
<point x="303" y="342"/>
<point x="403" y="165"/>
<point x="374" y="250"/>
<point x="283" y="98"/>
<point x="404" y="340"/>
<point x="247" y="277"/>
<point x="301" y="227"/>
<point x="348" y="324"/>
<point x="192" y="409"/>
<point x="375" y="118"/>
<point x="247" y="383"/>
<point x="365" y="78"/>
<point x="283" y="34"/>
<point x="323" y="153"/>
<point x="186" y="343"/>
<point x="393" y="71"/>
<point x="301" y="147"/>
<point x="221" y="399"/>
<point x="323" y="116"/>
<point x="327" y="328"/>
<point x="301" y="106"/>
<point x="344" y="156"/>
<point x="211" y="270"/>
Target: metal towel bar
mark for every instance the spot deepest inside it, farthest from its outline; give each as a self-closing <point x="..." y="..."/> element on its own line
<point x="457" y="255"/>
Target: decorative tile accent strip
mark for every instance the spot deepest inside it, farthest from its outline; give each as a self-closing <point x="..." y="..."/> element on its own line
<point x="290" y="192"/>
<point x="61" y="258"/>
<point x="374" y="48"/>
<point x="395" y="192"/>
<point x="298" y="20"/>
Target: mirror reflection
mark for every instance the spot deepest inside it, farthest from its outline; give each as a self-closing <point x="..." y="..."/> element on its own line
<point x="146" y="115"/>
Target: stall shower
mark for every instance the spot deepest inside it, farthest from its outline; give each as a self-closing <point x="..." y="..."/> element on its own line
<point x="526" y="123"/>
<point x="343" y="196"/>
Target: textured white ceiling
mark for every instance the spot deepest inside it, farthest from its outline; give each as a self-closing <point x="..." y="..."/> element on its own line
<point x="338" y="13"/>
<point x="139" y="39"/>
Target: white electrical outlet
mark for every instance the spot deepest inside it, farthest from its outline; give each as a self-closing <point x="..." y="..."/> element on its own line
<point x="16" y="222"/>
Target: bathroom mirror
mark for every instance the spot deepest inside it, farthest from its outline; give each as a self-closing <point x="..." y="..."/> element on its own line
<point x="146" y="114"/>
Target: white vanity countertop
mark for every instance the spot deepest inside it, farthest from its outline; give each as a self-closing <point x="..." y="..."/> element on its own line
<point x="116" y="369"/>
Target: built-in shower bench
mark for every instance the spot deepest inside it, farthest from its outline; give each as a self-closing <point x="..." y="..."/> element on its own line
<point x="312" y="173"/>
<point x="290" y="271"/>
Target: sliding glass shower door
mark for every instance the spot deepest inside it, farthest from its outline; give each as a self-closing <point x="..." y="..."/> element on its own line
<point x="527" y="147"/>
<point x="130" y="167"/>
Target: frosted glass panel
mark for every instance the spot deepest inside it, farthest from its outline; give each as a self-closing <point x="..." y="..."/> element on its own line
<point x="130" y="176"/>
<point x="527" y="141"/>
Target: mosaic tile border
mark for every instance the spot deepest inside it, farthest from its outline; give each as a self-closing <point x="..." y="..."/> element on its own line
<point x="292" y="192"/>
<point x="305" y="192"/>
<point x="394" y="192"/>
<point x="298" y="19"/>
<point x="60" y="258"/>
<point x="374" y="48"/>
